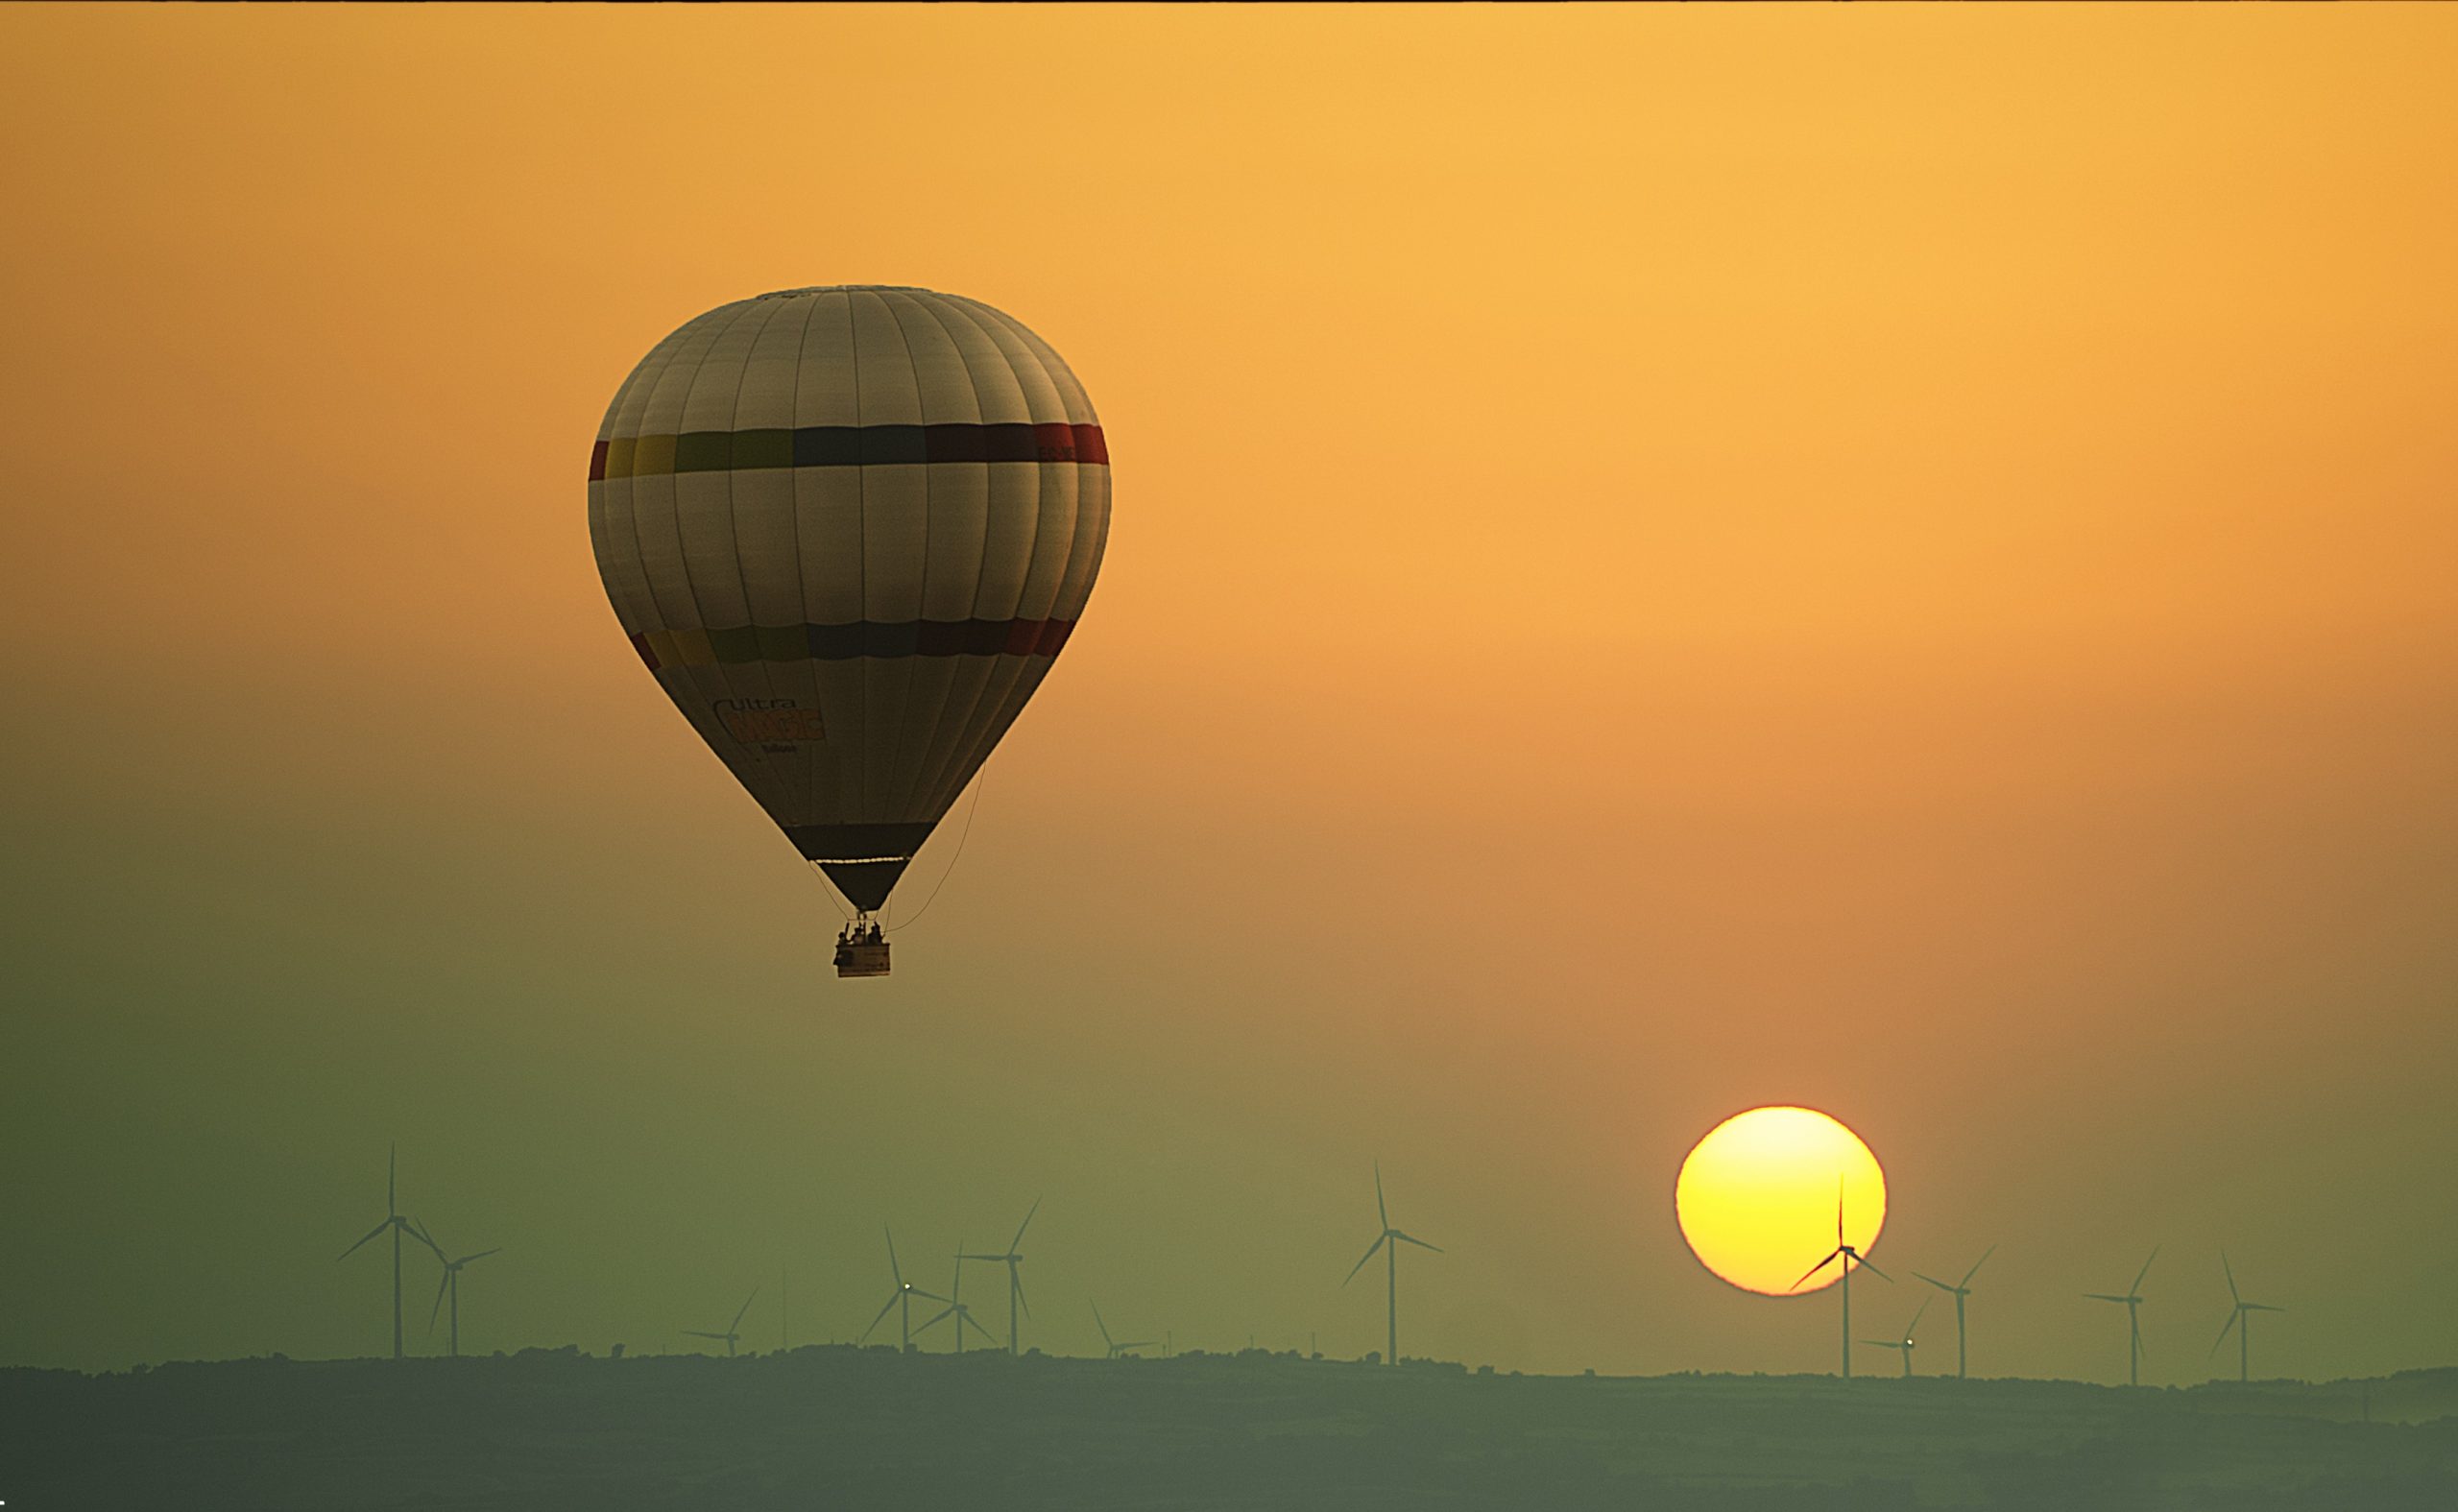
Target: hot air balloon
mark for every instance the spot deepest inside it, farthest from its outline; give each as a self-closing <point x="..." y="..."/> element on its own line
<point x="848" y="529"/>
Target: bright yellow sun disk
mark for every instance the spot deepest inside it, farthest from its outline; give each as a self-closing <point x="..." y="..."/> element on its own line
<point x="1756" y="1197"/>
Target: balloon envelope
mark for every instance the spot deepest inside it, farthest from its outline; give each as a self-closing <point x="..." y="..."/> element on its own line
<point x="848" y="529"/>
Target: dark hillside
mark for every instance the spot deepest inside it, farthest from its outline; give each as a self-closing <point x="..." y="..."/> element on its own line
<point x="829" y="1427"/>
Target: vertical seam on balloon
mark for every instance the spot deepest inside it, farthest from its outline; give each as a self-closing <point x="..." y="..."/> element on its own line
<point x="793" y="416"/>
<point x="1081" y="402"/>
<point x="1026" y="682"/>
<point x="734" y="515"/>
<point x="861" y="545"/>
<point x="716" y="672"/>
<point x="734" y="529"/>
<point x="600" y="526"/>
<point x="1003" y="710"/>
<point x="921" y="597"/>
<point x="653" y="616"/>
<point x="978" y="742"/>
<point x="1039" y="478"/>
<point x="913" y="788"/>
<point x="699" y="605"/>
<point x="811" y="808"/>
<point x="934" y="774"/>
<point x="1071" y="400"/>
<point x="639" y="547"/>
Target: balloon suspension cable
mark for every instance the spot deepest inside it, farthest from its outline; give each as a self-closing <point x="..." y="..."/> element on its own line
<point x="980" y="779"/>
<point x="828" y="890"/>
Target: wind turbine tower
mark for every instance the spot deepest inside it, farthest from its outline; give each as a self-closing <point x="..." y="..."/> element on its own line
<point x="399" y="1226"/>
<point x="732" y="1335"/>
<point x="1393" y="1239"/>
<point x="2133" y="1300"/>
<point x="2240" y="1318"/>
<point x="956" y="1309"/>
<point x="901" y="1297"/>
<point x="1015" y="1275"/>
<point x="1852" y="1260"/>
<point x="1961" y="1289"/>
<point x="1905" y="1343"/>
<point x="449" y="1284"/>
<point x="1114" y="1347"/>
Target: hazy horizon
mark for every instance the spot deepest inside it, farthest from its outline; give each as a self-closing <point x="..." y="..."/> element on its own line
<point x="1664" y="561"/>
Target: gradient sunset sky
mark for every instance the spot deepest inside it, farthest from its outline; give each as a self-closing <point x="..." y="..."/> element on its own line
<point x="1664" y="561"/>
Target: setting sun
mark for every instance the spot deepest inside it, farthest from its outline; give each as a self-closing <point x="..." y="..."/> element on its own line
<point x="1756" y="1198"/>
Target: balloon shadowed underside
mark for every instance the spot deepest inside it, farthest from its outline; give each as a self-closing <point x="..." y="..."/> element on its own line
<point x="848" y="529"/>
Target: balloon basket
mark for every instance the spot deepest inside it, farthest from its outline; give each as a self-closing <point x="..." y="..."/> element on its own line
<point x="861" y="951"/>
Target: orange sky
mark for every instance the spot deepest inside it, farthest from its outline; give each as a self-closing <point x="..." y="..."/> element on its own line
<point x="1664" y="560"/>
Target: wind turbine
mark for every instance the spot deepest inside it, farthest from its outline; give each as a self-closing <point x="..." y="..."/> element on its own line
<point x="956" y="1309"/>
<point x="450" y="1283"/>
<point x="1116" y="1349"/>
<point x="2133" y="1300"/>
<point x="1905" y="1343"/>
<point x="1960" y="1291"/>
<point x="1851" y="1258"/>
<point x="2241" y="1320"/>
<point x="399" y="1226"/>
<point x="734" y="1330"/>
<point x="1394" y="1238"/>
<point x="904" y="1295"/>
<point x="1014" y="1276"/>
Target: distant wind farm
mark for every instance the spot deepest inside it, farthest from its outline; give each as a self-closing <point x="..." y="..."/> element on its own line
<point x="1843" y="1262"/>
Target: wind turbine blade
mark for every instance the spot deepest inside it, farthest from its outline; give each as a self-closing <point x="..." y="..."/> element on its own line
<point x="2102" y="1296"/>
<point x="1103" y="1325"/>
<point x="441" y="1281"/>
<point x="1885" y="1343"/>
<point x="1874" y="1271"/>
<point x="1914" y="1326"/>
<point x="958" y="1289"/>
<point x="391" y="1178"/>
<point x="1976" y="1264"/>
<point x="883" y="1313"/>
<point x="2145" y="1271"/>
<point x="418" y="1232"/>
<point x="1016" y="1279"/>
<point x="1813" y="1270"/>
<point x="1839" y="1210"/>
<point x="745" y="1307"/>
<point x="892" y="1267"/>
<point x="932" y="1295"/>
<point x="2225" y="1329"/>
<point x="371" y="1234"/>
<point x="1022" y="1227"/>
<point x="1935" y="1282"/>
<point x="481" y="1254"/>
<point x="965" y="1320"/>
<point x="2233" y="1295"/>
<point x="2262" y="1306"/>
<point x="1381" y="1212"/>
<point x="941" y="1318"/>
<point x="701" y="1333"/>
<point x="1410" y="1238"/>
<point x="1362" y="1259"/>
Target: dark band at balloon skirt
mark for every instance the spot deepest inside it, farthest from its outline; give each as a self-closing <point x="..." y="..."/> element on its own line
<point x="863" y="860"/>
<point x="843" y="447"/>
<point x="913" y="637"/>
